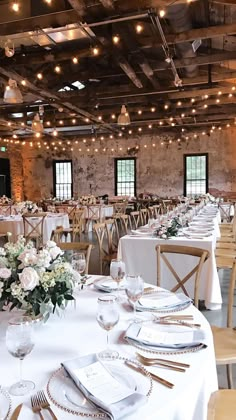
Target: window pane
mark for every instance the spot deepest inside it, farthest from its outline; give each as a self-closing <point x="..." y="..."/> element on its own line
<point x="196" y="174"/>
<point x="125" y="176"/>
<point x="63" y="180"/>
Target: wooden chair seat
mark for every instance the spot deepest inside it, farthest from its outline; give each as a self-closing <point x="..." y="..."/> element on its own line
<point x="225" y="344"/>
<point x="222" y="405"/>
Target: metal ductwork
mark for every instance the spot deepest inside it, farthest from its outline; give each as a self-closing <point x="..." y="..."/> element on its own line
<point x="180" y="21"/>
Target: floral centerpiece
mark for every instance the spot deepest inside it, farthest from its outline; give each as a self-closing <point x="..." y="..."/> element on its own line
<point x="26" y="206"/>
<point x="86" y="200"/>
<point x="5" y="200"/>
<point x="39" y="282"/>
<point x="170" y="229"/>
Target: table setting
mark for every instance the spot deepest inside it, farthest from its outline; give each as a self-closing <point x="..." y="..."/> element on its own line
<point x="147" y="355"/>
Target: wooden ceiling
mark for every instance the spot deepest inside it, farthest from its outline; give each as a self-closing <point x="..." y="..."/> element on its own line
<point x="152" y="69"/>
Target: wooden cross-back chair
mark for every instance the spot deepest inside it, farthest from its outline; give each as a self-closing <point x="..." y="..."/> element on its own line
<point x="225" y="337"/>
<point x="125" y="223"/>
<point x="222" y="405"/>
<point x="225" y="209"/>
<point x="166" y="206"/>
<point x="120" y="207"/>
<point x="162" y="255"/>
<point x="93" y="214"/>
<point x="84" y="247"/>
<point x="78" y="224"/>
<point x="5" y="209"/>
<point x="156" y="210"/>
<point x="104" y="233"/>
<point x="144" y="216"/>
<point x="33" y="227"/>
<point x="70" y="210"/>
<point x="135" y="219"/>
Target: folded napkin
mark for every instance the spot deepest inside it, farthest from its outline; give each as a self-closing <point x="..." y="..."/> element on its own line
<point x="101" y="388"/>
<point x="155" y="338"/>
<point x="106" y="284"/>
<point x="169" y="301"/>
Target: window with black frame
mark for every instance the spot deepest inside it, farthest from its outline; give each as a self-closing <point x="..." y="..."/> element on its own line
<point x="125" y="176"/>
<point x="62" y="174"/>
<point x="195" y="174"/>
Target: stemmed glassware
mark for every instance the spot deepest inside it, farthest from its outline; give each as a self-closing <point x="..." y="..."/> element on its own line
<point x="107" y="317"/>
<point x="134" y="290"/>
<point x="78" y="262"/>
<point x="19" y="342"/>
<point x="117" y="273"/>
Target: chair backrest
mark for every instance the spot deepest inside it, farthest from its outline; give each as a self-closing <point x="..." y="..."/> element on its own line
<point x="5" y="209"/>
<point x="33" y="226"/>
<point x="134" y="219"/>
<point x="110" y="232"/>
<point x="156" y="210"/>
<point x="225" y="209"/>
<point x="57" y="234"/>
<point x="125" y="223"/>
<point x="84" y="247"/>
<point x="223" y="261"/>
<point x="222" y="405"/>
<point x="77" y="223"/>
<point x="120" y="208"/>
<point x="70" y="210"/>
<point x="201" y="254"/>
<point x="93" y="212"/>
<point x="144" y="216"/>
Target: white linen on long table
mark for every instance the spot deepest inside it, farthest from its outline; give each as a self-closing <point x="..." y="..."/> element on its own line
<point x="77" y="333"/>
<point x="139" y="255"/>
<point x="14" y="224"/>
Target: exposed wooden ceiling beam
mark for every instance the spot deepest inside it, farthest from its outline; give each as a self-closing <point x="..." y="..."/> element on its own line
<point x="126" y="67"/>
<point x="54" y="100"/>
<point x="108" y="4"/>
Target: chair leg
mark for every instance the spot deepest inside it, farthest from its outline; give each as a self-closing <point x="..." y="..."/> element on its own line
<point x="229" y="376"/>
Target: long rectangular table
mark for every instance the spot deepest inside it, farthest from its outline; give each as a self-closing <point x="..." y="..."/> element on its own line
<point x="76" y="333"/>
<point x="139" y="255"/>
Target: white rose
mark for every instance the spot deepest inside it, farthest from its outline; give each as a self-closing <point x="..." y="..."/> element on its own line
<point x="51" y="244"/>
<point x="29" y="278"/>
<point x="55" y="251"/>
<point x="28" y="257"/>
<point x="5" y="273"/>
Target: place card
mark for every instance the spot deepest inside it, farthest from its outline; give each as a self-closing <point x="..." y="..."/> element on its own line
<point x="153" y="336"/>
<point x="101" y="384"/>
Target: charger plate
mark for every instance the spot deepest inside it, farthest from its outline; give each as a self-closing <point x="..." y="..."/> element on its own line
<point x="65" y="394"/>
<point x="5" y="404"/>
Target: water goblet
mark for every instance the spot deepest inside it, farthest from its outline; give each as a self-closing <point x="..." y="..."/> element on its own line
<point x="19" y="342"/>
<point x="78" y="262"/>
<point x="107" y="317"/>
<point x="134" y="290"/>
<point x="117" y="273"/>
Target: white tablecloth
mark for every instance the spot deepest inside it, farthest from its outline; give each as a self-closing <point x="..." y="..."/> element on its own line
<point x="77" y="333"/>
<point x="14" y="224"/>
<point x="139" y="255"/>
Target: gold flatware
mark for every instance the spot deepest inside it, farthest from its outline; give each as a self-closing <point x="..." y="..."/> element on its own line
<point x="155" y="359"/>
<point x="16" y="412"/>
<point x="178" y="323"/>
<point x="155" y="377"/>
<point x="173" y="317"/>
<point x="36" y="406"/>
<point x="161" y="364"/>
<point x="43" y="402"/>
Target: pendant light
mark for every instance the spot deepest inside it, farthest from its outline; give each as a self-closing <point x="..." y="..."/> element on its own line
<point x="12" y="94"/>
<point x="124" y="118"/>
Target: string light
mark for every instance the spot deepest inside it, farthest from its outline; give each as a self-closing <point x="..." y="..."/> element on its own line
<point x="113" y="116"/>
<point x="153" y="109"/>
<point x="95" y="51"/>
<point x="166" y="106"/>
<point x="15" y="7"/>
<point x="179" y="103"/>
<point x="39" y="76"/>
<point x="162" y="13"/>
<point x="139" y="28"/>
<point x="116" y="39"/>
<point x="23" y="82"/>
<point x="140" y="112"/>
<point x="75" y="60"/>
<point x="73" y="121"/>
<point x="48" y="1"/>
<point x="55" y="133"/>
<point x="57" y="69"/>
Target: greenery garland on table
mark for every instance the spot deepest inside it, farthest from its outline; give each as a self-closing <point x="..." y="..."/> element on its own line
<point x="169" y="230"/>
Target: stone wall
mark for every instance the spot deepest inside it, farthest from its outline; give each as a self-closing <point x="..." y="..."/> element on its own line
<point x="159" y="166"/>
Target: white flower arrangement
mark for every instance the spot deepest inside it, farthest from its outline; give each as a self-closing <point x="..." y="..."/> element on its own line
<point x="87" y="200"/>
<point x="26" y="206"/>
<point x="39" y="282"/>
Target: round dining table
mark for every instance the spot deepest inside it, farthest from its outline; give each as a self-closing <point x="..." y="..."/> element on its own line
<point x="76" y="333"/>
<point x="14" y="224"/>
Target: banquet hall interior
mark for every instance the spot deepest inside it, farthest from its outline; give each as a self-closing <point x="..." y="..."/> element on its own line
<point x="118" y="197"/>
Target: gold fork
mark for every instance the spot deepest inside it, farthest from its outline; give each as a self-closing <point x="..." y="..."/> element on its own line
<point x="36" y="406"/>
<point x="45" y="404"/>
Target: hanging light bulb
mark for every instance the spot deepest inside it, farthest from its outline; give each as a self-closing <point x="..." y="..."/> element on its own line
<point x="12" y="94"/>
<point x="124" y="118"/>
<point x="9" y="48"/>
<point x="36" y="124"/>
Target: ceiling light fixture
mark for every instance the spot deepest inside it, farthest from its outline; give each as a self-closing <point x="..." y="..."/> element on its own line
<point x="139" y="28"/>
<point x="9" y="48"/>
<point x="123" y="118"/>
<point x="15" y="6"/>
<point x="12" y="94"/>
<point x="116" y="39"/>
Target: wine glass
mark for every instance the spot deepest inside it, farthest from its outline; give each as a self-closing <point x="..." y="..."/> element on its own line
<point x="78" y="262"/>
<point x="117" y="273"/>
<point x="19" y="342"/>
<point x="134" y="290"/>
<point x="107" y="317"/>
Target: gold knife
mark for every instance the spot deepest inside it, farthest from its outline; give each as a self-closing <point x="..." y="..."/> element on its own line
<point x="155" y="377"/>
<point x="16" y="412"/>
